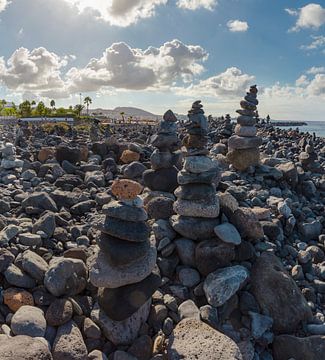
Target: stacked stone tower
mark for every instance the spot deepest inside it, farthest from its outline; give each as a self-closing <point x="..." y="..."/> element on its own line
<point x="197" y="204"/>
<point x="122" y="267"/>
<point x="243" y="147"/>
<point x="165" y="160"/>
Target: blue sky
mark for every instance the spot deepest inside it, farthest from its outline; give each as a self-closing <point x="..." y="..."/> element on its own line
<point x="160" y="54"/>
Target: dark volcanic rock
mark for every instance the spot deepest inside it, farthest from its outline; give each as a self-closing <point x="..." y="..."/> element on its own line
<point x="161" y="180"/>
<point x="120" y="252"/>
<point x="290" y="347"/>
<point x="126" y="230"/>
<point x="278" y="295"/>
<point x="194" y="228"/>
<point x="211" y="255"/>
<point x="131" y="296"/>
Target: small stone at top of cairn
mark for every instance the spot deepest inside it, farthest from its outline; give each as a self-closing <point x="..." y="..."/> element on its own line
<point x="243" y="149"/>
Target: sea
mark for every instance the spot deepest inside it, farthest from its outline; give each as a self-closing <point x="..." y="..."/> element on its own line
<point x="318" y="127"/>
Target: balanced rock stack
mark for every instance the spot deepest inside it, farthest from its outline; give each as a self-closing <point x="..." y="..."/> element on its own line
<point x="165" y="160"/>
<point x="243" y="149"/>
<point x="122" y="267"/>
<point x="9" y="163"/>
<point x="197" y="205"/>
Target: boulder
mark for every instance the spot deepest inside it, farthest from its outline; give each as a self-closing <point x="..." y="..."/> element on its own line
<point x="193" y="339"/>
<point x="23" y="347"/>
<point x="290" y="347"/>
<point x="278" y="295"/>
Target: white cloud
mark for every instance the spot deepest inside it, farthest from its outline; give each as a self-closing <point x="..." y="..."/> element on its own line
<point x="3" y="4"/>
<point x="228" y="84"/>
<point x="125" y="68"/>
<point x="43" y="73"/>
<point x="302" y="81"/>
<point x="317" y="43"/>
<point x="119" y="12"/>
<point x="36" y="71"/>
<point x="311" y="16"/>
<point x="237" y="26"/>
<point x="197" y="4"/>
<point x="316" y="70"/>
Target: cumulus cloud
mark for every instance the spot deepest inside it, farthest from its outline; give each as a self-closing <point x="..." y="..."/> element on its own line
<point x="44" y="73"/>
<point x="317" y="43"/>
<point x="119" y="12"/>
<point x="302" y="81"/>
<point x="3" y="4"/>
<point x="237" y="26"/>
<point x="125" y="68"/>
<point x="36" y="71"/>
<point x="228" y="84"/>
<point x="311" y="16"/>
<point x="197" y="4"/>
<point x="316" y="70"/>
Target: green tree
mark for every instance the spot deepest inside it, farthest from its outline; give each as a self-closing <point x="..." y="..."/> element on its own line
<point x="25" y="109"/>
<point x="2" y="104"/>
<point x="87" y="101"/>
<point x="52" y="104"/>
<point x="78" y="109"/>
<point x="40" y="109"/>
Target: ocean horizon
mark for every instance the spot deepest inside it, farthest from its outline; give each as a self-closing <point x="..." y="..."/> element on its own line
<point x="318" y="127"/>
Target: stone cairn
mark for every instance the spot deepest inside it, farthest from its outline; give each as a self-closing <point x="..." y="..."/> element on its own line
<point x="9" y="163"/>
<point x="122" y="267"/>
<point x="165" y="160"/>
<point x="197" y="205"/>
<point x="243" y="147"/>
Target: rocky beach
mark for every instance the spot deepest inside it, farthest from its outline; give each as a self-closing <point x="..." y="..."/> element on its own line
<point x="200" y="239"/>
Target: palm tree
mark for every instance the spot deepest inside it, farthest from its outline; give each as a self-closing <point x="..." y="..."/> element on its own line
<point x="87" y="101"/>
<point x="52" y="104"/>
<point x="78" y="109"/>
<point x="122" y="114"/>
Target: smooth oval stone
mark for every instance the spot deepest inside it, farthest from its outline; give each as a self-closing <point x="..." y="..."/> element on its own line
<point x="118" y="210"/>
<point x="103" y="274"/>
<point x="238" y="142"/>
<point x="126" y="230"/>
<point x="207" y="177"/>
<point x="245" y="131"/>
<point x="246" y="120"/>
<point x="165" y="141"/>
<point x="201" y="209"/>
<point x="228" y="233"/>
<point x="165" y="159"/>
<point x="246" y="112"/>
<point x="195" y="192"/>
<point x="119" y="252"/>
<point x="198" y="164"/>
<point x="131" y="296"/>
<point x="250" y="98"/>
<point x="247" y="105"/>
<point x="194" y="228"/>
<point x="161" y="180"/>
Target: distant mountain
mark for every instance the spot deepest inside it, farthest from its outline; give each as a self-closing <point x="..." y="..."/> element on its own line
<point x="128" y="111"/>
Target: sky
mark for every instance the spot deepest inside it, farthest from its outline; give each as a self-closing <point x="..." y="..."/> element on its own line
<point x="165" y="54"/>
